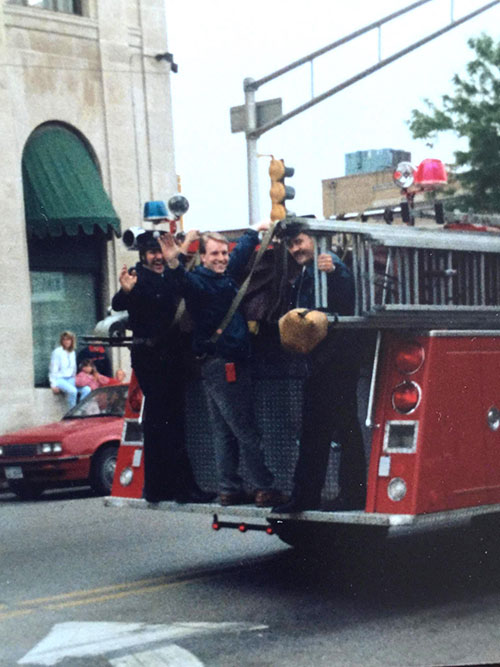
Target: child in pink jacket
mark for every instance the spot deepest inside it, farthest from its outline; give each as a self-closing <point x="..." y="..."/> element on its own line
<point x="89" y="377"/>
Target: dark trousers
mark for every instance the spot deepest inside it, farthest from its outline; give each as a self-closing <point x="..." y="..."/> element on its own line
<point x="234" y="427"/>
<point x="330" y="414"/>
<point x="167" y="469"/>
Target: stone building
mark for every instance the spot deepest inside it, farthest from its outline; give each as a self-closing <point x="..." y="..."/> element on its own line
<point x="86" y="129"/>
<point x="359" y="192"/>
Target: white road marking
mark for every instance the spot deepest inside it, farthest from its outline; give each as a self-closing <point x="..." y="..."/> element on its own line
<point x="167" y="656"/>
<point x="75" y="639"/>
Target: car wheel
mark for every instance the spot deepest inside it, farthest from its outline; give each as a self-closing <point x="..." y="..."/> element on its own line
<point x="103" y="470"/>
<point x="26" y="490"/>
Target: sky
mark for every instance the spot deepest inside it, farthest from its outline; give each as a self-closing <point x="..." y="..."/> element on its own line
<point x="218" y="43"/>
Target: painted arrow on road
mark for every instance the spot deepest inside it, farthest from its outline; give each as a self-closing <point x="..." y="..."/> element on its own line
<point x="79" y="640"/>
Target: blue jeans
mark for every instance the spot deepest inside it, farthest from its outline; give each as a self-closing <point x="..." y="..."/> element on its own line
<point x="230" y="406"/>
<point x="68" y="387"/>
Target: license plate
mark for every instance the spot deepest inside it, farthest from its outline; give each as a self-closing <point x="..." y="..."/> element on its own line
<point x="14" y="472"/>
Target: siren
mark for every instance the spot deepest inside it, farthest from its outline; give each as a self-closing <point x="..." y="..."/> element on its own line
<point x="430" y="174"/>
<point x="130" y="236"/>
<point x="178" y="205"/>
<point x="157" y="212"/>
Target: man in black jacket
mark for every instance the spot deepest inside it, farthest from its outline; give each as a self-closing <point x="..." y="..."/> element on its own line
<point x="148" y="294"/>
<point x="329" y="410"/>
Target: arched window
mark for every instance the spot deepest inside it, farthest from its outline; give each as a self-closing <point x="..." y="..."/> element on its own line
<point x="69" y="218"/>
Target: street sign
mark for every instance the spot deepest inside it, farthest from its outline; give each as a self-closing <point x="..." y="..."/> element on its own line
<point x="267" y="111"/>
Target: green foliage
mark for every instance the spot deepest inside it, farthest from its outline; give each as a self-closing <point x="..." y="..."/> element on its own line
<point x="472" y="112"/>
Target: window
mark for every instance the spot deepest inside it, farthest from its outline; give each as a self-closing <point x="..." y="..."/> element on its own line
<point x="60" y="300"/>
<point x="69" y="219"/>
<point x="67" y="6"/>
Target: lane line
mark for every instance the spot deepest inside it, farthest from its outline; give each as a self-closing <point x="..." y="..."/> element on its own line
<point x="123" y="594"/>
<point x="12" y="614"/>
<point x="83" y="597"/>
<point x="90" y="591"/>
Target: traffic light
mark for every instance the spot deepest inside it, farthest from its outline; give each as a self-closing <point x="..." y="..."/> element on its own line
<point x="279" y="192"/>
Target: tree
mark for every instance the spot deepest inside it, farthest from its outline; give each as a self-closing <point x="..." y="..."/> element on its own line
<point x="473" y="112"/>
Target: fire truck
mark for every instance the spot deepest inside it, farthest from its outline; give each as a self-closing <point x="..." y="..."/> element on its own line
<point x="429" y="298"/>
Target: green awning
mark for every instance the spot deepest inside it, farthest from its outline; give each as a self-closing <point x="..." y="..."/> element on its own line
<point x="63" y="191"/>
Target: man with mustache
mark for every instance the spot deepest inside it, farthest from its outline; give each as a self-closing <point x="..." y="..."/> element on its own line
<point x="329" y="409"/>
<point x="148" y="294"/>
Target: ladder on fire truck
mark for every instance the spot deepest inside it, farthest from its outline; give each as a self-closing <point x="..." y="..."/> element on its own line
<point x="415" y="277"/>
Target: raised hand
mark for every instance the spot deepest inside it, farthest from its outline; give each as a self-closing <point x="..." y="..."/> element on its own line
<point x="127" y="280"/>
<point x="170" y="250"/>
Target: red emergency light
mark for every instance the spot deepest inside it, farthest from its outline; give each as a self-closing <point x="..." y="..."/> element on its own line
<point x="430" y="174"/>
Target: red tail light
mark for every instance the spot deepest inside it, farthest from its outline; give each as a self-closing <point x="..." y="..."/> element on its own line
<point x="410" y="357"/>
<point x="216" y="525"/>
<point x="406" y="397"/>
<point x="242" y="528"/>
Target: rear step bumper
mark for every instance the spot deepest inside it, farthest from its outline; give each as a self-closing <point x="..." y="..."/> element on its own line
<point x="431" y="521"/>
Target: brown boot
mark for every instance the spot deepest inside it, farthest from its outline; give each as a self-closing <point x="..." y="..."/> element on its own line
<point x="269" y="498"/>
<point x="234" y="498"/>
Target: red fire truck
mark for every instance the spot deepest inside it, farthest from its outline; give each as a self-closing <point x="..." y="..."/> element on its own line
<point x="431" y="403"/>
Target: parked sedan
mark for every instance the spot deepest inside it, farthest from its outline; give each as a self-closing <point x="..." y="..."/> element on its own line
<point x="79" y="449"/>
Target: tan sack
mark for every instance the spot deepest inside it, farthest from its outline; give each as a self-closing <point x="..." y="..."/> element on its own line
<point x="302" y="329"/>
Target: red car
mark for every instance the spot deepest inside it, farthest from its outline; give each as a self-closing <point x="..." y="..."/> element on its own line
<point x="79" y="449"/>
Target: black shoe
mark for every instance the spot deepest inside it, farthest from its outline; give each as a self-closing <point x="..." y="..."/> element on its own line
<point x="195" y="496"/>
<point x="295" y="505"/>
<point x="341" y="504"/>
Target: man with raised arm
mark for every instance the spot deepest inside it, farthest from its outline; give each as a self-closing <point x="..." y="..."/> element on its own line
<point x="209" y="291"/>
<point x="148" y="294"/>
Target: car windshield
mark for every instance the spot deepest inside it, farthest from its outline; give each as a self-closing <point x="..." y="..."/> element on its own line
<point x="103" y="402"/>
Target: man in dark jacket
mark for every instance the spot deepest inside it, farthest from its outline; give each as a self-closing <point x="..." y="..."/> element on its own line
<point x="209" y="291"/>
<point x="148" y="294"/>
<point x="329" y="410"/>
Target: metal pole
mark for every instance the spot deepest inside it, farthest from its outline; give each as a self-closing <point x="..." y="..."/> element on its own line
<point x="252" y="167"/>
<point x="370" y="70"/>
<point x="322" y="276"/>
<point x="336" y="44"/>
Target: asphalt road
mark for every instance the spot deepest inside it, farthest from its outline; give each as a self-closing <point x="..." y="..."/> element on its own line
<point x="85" y="585"/>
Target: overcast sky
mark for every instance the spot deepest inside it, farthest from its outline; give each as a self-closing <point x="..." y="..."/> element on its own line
<point x="218" y="43"/>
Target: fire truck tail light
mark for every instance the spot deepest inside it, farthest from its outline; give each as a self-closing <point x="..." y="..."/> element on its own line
<point x="396" y="490"/>
<point x="406" y="397"/>
<point x="410" y="357"/>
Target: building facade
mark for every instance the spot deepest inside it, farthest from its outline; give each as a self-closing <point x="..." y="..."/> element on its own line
<point x="87" y="137"/>
<point x="367" y="185"/>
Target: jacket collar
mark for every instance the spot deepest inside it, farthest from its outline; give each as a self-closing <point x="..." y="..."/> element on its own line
<point x="208" y="272"/>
